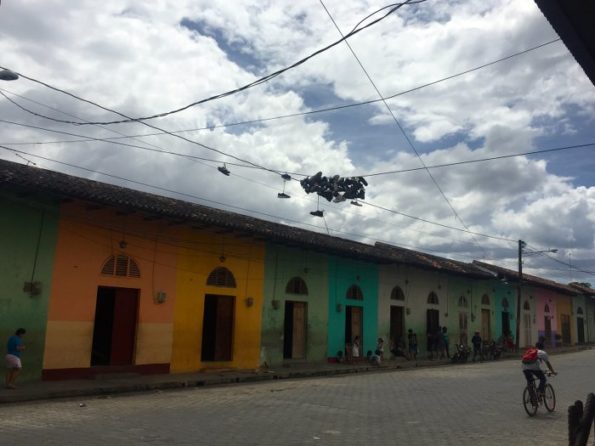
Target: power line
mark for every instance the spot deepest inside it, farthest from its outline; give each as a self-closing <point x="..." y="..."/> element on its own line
<point x="320" y="110"/>
<point x="119" y="143"/>
<point x="262" y="80"/>
<point x="365" y="175"/>
<point x="466" y="230"/>
<point x="409" y="141"/>
<point x="479" y="160"/>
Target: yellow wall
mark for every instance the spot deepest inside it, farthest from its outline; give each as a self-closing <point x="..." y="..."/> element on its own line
<point x="86" y="239"/>
<point x="202" y="254"/>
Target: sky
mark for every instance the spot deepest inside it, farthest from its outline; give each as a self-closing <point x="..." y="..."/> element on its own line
<point x="145" y="58"/>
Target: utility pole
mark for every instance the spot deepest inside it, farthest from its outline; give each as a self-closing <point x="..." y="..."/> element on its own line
<point x="519" y="296"/>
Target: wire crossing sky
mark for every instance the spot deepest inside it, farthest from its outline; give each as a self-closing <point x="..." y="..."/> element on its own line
<point x="490" y="100"/>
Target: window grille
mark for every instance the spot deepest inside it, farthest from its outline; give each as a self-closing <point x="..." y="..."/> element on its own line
<point x="221" y="277"/>
<point x="397" y="294"/>
<point x="297" y="285"/>
<point x="355" y="292"/>
<point x="121" y="266"/>
<point x="433" y="299"/>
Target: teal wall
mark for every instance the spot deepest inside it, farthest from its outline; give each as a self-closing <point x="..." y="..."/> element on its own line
<point x="26" y="228"/>
<point x="281" y="265"/>
<point x="343" y="273"/>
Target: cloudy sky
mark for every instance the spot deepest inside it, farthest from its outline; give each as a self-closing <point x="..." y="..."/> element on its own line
<point x="144" y="58"/>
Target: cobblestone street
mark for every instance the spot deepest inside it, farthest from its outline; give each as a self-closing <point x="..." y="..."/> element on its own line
<point x="473" y="404"/>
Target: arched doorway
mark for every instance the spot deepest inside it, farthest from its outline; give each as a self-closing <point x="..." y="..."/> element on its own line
<point x="505" y="318"/>
<point x="397" y="318"/>
<point x="486" y="322"/>
<point x="432" y="317"/>
<point x="295" y="322"/>
<point x="463" y="305"/>
<point x="218" y="318"/>
<point x="580" y="325"/>
<point x="354" y="316"/>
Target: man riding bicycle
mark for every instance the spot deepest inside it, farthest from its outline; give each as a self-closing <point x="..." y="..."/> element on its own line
<point x="532" y="360"/>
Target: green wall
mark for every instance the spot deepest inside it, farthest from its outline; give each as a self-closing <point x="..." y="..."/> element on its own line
<point x="281" y="265"/>
<point x="27" y="244"/>
<point x="343" y="273"/>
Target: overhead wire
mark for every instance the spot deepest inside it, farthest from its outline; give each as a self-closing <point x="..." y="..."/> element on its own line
<point x="326" y="109"/>
<point x="410" y="143"/>
<point x="245" y="210"/>
<point x="259" y="81"/>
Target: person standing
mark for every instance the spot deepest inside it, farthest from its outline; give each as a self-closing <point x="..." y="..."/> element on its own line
<point x="14" y="348"/>
<point x="355" y="348"/>
<point x="476" y="341"/>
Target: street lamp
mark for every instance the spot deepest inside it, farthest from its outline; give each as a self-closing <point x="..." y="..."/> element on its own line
<point x="7" y="75"/>
<point x="522" y="245"/>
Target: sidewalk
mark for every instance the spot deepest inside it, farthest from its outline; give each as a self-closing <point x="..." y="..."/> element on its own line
<point x="110" y="385"/>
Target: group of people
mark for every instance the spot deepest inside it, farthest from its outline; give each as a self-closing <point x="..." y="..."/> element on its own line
<point x="438" y="343"/>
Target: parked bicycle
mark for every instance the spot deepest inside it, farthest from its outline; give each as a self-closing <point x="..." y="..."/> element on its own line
<point x="532" y="398"/>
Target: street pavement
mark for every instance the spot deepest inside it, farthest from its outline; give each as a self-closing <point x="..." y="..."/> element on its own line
<point x="472" y="404"/>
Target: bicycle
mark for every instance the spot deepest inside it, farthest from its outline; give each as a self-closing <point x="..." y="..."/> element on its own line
<point x="532" y="399"/>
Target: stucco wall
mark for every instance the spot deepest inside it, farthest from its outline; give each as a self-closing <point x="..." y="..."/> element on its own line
<point x="87" y="237"/>
<point x="203" y="252"/>
<point x="281" y="265"/>
<point x="28" y="231"/>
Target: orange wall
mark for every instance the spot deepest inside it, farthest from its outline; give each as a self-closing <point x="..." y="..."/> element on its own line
<point x="86" y="239"/>
<point x="245" y="259"/>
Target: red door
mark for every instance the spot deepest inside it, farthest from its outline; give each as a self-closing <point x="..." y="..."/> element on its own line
<point x="124" y="326"/>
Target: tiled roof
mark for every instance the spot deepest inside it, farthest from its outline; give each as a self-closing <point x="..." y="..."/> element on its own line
<point x="512" y="275"/>
<point x="21" y="178"/>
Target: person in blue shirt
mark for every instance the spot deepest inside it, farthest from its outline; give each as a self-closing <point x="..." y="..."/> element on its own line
<point x="13" y="357"/>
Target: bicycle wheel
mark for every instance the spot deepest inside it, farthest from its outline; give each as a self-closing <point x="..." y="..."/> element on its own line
<point x="529" y="403"/>
<point x="549" y="398"/>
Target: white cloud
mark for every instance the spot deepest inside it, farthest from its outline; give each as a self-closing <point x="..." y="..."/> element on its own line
<point x="140" y="60"/>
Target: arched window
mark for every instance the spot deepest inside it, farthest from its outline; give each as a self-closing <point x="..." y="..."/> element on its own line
<point x="579" y="311"/>
<point x="296" y="286"/>
<point x="432" y="299"/>
<point x="526" y="306"/>
<point x="505" y="304"/>
<point x="485" y="299"/>
<point x="355" y="292"/>
<point x="463" y="302"/>
<point x="120" y="265"/>
<point x="546" y="309"/>
<point x="397" y="294"/>
<point x="221" y="277"/>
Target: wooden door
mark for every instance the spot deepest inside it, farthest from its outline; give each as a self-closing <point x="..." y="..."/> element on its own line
<point x="356" y="324"/>
<point x="396" y="324"/>
<point x="432" y="324"/>
<point x="505" y="323"/>
<point x="463" y="328"/>
<point x="224" y="332"/>
<point x="217" y="328"/>
<point x="298" y="344"/>
<point x="580" y="326"/>
<point x="565" y="322"/>
<point x="124" y="326"/>
<point x="114" y="330"/>
<point x="547" y="329"/>
<point x="486" y="329"/>
<point x="527" y="329"/>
